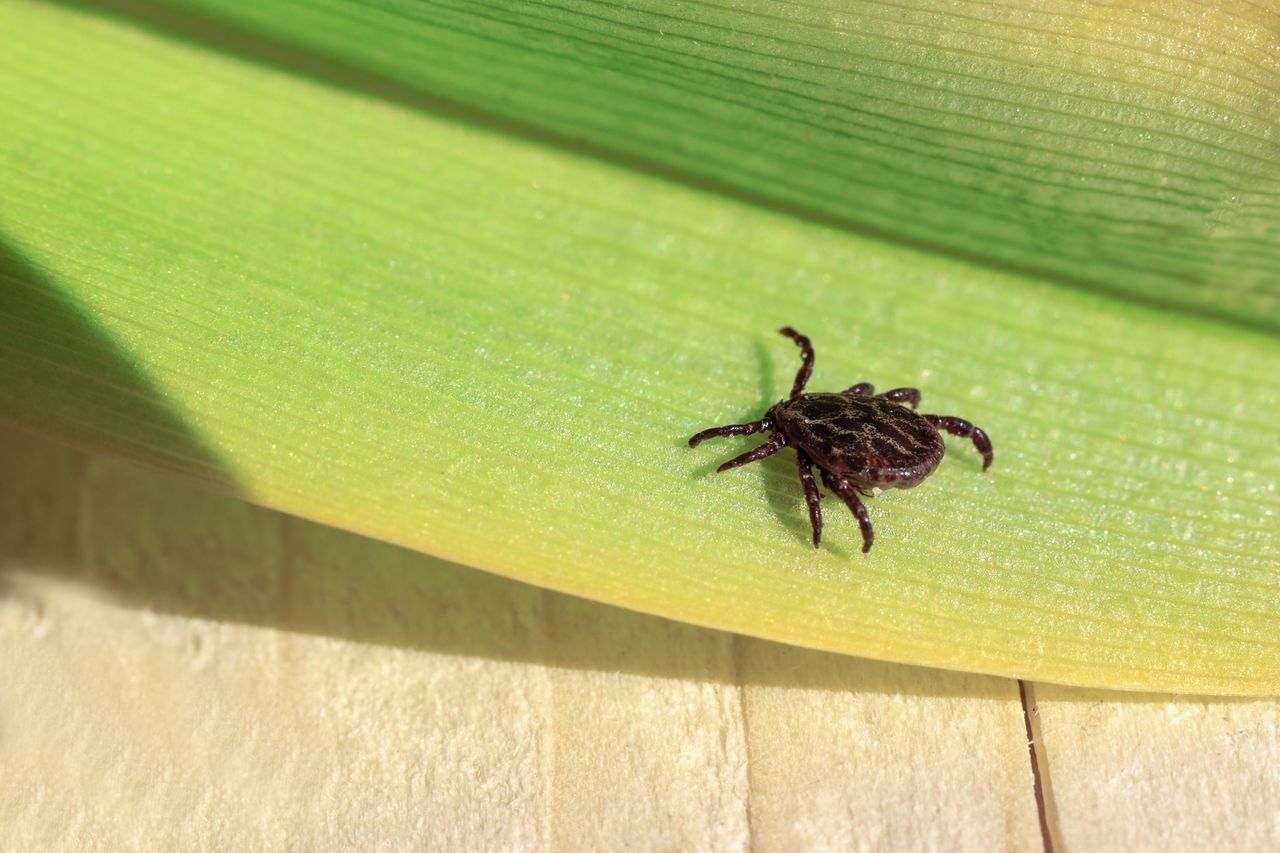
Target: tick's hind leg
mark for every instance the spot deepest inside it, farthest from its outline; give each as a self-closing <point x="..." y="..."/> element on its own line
<point x="964" y="429"/>
<point x="776" y="442"/>
<point x="862" y="389"/>
<point x="910" y="396"/>
<point x="732" y="429"/>
<point x="811" y="496"/>
<point x="849" y="495"/>
<point x="806" y="359"/>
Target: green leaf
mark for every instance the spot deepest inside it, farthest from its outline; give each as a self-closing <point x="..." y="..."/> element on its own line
<point x="1100" y="146"/>
<point x="478" y="344"/>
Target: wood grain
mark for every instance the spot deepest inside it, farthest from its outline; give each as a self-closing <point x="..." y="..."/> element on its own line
<point x="1156" y="772"/>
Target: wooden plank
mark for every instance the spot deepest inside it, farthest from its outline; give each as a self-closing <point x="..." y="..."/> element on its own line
<point x="1151" y="772"/>
<point x="182" y="668"/>
<point x="856" y="754"/>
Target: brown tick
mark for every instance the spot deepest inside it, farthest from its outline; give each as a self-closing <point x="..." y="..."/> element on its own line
<point x="862" y="442"/>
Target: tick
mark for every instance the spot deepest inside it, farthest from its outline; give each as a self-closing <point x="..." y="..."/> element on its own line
<point x="860" y="441"/>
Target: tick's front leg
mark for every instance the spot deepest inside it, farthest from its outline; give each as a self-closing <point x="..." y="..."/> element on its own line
<point x="964" y="429"/>
<point x="732" y="429"/>
<point x="849" y="495"/>
<point x="776" y="442"/>
<point x="806" y="359"/>
<point x="811" y="496"/>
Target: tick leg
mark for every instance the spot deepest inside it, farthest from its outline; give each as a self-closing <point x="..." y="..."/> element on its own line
<point x="862" y="389"/>
<point x="806" y="359"/>
<point x="811" y="496"/>
<point x="964" y="429"/>
<point x="849" y="495"/>
<point x="732" y="429"/>
<point x="776" y="442"/>
<point x="910" y="396"/>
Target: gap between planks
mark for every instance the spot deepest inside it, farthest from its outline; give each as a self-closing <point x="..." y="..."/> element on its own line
<point x="1046" y="808"/>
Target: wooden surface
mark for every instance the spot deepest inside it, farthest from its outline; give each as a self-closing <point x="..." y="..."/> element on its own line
<point x="180" y="669"/>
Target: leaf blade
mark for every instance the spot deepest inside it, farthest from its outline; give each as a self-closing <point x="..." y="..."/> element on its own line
<point x="1103" y="147"/>
<point x="478" y="346"/>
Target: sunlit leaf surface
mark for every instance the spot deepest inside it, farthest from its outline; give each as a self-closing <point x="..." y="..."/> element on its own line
<point x="481" y="345"/>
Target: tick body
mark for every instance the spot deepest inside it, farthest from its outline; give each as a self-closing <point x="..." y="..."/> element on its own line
<point x="860" y="442"/>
